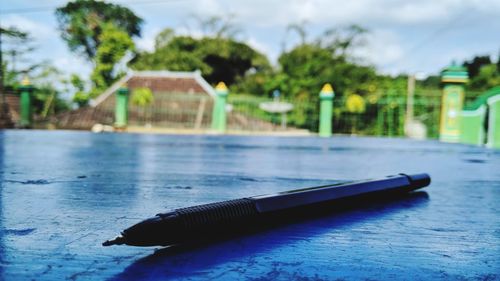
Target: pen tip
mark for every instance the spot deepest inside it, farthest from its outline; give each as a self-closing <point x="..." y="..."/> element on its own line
<point x="119" y="240"/>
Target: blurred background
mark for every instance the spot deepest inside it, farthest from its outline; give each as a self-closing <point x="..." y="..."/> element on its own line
<point x="382" y="59"/>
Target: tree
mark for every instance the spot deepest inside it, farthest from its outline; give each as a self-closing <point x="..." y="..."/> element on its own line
<point x="114" y="46"/>
<point x="498" y="62"/>
<point x="300" y="29"/>
<point x="46" y="96"/>
<point x="488" y="77"/>
<point x="305" y="68"/>
<point x="341" y="40"/>
<point x="17" y="44"/>
<point x="473" y="66"/>
<point x="163" y="38"/>
<point x="46" y="79"/>
<point x="483" y="73"/>
<point x="81" y="24"/>
<point x="80" y="96"/>
<point x="219" y="59"/>
<point x="142" y="97"/>
<point x="218" y="26"/>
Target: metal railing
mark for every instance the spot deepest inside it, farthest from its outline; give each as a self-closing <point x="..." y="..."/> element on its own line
<point x="383" y="115"/>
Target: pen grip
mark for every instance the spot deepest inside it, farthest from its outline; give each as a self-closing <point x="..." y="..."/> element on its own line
<point x="216" y="213"/>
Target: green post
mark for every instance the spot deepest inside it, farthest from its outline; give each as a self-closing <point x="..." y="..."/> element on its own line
<point x="494" y="122"/>
<point x="454" y="78"/>
<point x="472" y="126"/>
<point x="25" y="104"/>
<point x="219" y="110"/>
<point x="121" y="108"/>
<point x="325" y="111"/>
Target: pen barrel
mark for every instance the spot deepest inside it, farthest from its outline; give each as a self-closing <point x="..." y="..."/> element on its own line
<point x="221" y="218"/>
<point x="213" y="214"/>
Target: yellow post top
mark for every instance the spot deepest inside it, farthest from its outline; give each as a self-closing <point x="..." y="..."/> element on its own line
<point x="327" y="89"/>
<point x="26" y="81"/>
<point x="221" y="87"/>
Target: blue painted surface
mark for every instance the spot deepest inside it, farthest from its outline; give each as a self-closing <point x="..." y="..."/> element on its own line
<point x="64" y="193"/>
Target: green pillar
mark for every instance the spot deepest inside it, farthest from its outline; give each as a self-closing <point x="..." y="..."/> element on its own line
<point x="494" y="122"/>
<point x="472" y="126"/>
<point x="325" y="111"/>
<point x="121" y="108"/>
<point x="25" y="109"/>
<point x="454" y="78"/>
<point x="219" y="110"/>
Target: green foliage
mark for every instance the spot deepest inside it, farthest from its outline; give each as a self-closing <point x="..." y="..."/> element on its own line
<point x="257" y="84"/>
<point x="115" y="44"/>
<point x="307" y="67"/>
<point x="488" y="77"/>
<point x="81" y="23"/>
<point x="474" y="66"/>
<point x="46" y="97"/>
<point x="13" y="32"/>
<point x="101" y="32"/>
<point x="45" y="78"/>
<point x="16" y="47"/>
<point x="142" y="97"/>
<point x="483" y="73"/>
<point x="432" y="82"/>
<point x="80" y="96"/>
<point x="163" y="38"/>
<point x="218" y="59"/>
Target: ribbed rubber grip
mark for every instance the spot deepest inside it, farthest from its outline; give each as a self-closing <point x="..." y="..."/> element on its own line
<point x="216" y="213"/>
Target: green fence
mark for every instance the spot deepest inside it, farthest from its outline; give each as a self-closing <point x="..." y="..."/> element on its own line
<point x="383" y="114"/>
<point x="179" y="110"/>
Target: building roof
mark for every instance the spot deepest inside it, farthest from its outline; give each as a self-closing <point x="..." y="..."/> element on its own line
<point x="159" y="81"/>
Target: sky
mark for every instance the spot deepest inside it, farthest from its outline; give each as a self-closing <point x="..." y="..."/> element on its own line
<point x="419" y="36"/>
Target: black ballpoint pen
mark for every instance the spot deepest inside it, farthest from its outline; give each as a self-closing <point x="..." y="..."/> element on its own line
<point x="183" y="224"/>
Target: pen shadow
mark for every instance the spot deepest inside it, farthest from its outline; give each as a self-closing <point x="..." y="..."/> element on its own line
<point x="185" y="261"/>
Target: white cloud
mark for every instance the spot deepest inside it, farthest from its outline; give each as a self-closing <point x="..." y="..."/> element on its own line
<point x="147" y="41"/>
<point x="72" y="64"/>
<point x="189" y="31"/>
<point x="397" y="27"/>
<point x="383" y="49"/>
<point x="262" y="48"/>
<point x="333" y="12"/>
<point x="206" y="7"/>
<point x="38" y="30"/>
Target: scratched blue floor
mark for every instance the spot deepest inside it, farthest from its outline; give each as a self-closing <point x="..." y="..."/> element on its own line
<point x="63" y="193"/>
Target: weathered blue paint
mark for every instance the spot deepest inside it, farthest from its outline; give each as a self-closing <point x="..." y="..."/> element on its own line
<point x="64" y="193"/>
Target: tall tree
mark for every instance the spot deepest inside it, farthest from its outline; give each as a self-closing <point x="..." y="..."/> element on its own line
<point x="163" y="38"/>
<point x="488" y="77"/>
<point x="299" y="29"/>
<point x="327" y="59"/>
<point x="48" y="82"/>
<point x="16" y="45"/>
<point x="498" y="62"/>
<point x="219" y="59"/>
<point x="81" y="24"/>
<point x="474" y="66"/>
<point x="218" y="26"/>
<point x="115" y="44"/>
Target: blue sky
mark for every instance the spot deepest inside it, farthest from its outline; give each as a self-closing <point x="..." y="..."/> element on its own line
<point x="405" y="36"/>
